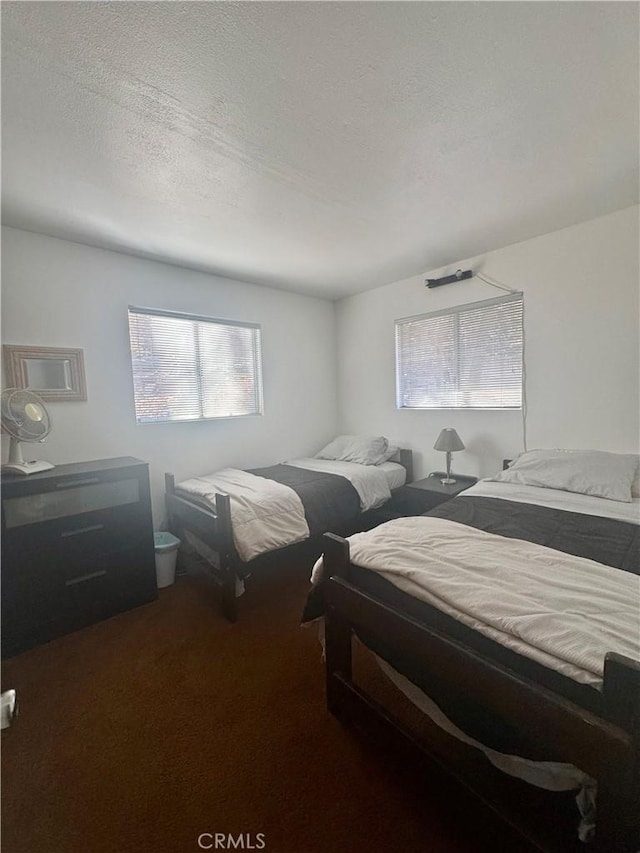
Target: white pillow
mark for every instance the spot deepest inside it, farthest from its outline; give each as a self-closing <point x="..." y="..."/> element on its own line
<point x="334" y="449"/>
<point x="366" y="450"/>
<point x="586" y="472"/>
<point x="392" y="454"/>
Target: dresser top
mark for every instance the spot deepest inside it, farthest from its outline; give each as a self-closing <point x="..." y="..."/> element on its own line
<point x="74" y="469"/>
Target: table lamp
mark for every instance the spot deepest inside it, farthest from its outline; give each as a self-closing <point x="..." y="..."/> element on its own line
<point x="448" y="441"/>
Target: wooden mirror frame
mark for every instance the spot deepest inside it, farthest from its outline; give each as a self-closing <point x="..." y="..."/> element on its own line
<point x="15" y="357"/>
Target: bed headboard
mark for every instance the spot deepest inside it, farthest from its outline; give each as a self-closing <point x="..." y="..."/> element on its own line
<point x="406" y="460"/>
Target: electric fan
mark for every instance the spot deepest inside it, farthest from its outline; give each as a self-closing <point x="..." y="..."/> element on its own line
<point x="24" y="418"/>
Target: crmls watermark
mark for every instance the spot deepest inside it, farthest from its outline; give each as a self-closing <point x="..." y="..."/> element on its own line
<point x="227" y="841"/>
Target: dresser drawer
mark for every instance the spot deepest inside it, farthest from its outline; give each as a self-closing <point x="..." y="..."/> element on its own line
<point x="71" y="498"/>
<point x="38" y="609"/>
<point x="107" y="529"/>
<point x="111" y="583"/>
<point x="26" y="626"/>
<point x="51" y="567"/>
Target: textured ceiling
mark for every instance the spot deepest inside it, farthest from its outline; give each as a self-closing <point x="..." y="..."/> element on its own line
<point x="321" y="147"/>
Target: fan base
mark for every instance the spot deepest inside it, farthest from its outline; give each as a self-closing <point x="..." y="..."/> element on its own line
<point x="34" y="467"/>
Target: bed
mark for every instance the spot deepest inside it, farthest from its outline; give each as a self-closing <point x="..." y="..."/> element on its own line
<point x="237" y="521"/>
<point x="567" y="708"/>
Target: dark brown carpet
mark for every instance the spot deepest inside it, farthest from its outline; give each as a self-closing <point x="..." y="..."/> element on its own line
<point x="143" y="731"/>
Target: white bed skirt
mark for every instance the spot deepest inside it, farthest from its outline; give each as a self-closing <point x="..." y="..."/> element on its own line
<point x="550" y="775"/>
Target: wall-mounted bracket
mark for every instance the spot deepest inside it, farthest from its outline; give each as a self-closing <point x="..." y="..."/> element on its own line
<point x="459" y="275"/>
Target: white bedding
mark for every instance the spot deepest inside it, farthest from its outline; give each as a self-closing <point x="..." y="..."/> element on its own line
<point x="395" y="473"/>
<point x="550" y="775"/>
<point x="265" y="515"/>
<point x="563" y="611"/>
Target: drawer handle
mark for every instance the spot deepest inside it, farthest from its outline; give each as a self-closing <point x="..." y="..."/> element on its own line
<point x="81" y="530"/>
<point x="71" y="484"/>
<point x="83" y="578"/>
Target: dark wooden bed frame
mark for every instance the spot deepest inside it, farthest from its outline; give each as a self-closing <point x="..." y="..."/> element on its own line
<point x="607" y="747"/>
<point x="214" y="528"/>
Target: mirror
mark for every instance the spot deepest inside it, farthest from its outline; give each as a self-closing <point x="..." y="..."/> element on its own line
<point x="48" y="373"/>
<point x="51" y="372"/>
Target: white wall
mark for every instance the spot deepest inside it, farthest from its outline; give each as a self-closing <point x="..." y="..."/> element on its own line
<point x="57" y="293"/>
<point x="580" y="289"/>
<point x="582" y="356"/>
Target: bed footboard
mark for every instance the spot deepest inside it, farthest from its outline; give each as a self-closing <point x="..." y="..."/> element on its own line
<point x="605" y="746"/>
<point x="214" y="529"/>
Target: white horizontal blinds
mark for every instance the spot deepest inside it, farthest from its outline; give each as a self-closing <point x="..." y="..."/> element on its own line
<point x="187" y="368"/>
<point x="165" y="369"/>
<point x="468" y="357"/>
<point x="490" y="356"/>
<point x="426" y="362"/>
<point x="229" y="370"/>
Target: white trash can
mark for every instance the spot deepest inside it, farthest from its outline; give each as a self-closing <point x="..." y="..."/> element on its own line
<point x="166" y="547"/>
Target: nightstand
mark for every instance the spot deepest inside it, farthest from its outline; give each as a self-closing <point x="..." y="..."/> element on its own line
<point x="422" y="495"/>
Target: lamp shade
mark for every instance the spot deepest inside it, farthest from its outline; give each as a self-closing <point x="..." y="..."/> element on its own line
<point x="448" y="441"/>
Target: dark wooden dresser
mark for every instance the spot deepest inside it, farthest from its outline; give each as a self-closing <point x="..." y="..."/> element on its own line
<point x="77" y="547"/>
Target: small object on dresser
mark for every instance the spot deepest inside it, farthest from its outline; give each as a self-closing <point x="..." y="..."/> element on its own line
<point x="24" y="418"/>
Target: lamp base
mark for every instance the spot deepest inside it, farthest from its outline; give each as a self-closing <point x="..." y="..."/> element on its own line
<point x="448" y="481"/>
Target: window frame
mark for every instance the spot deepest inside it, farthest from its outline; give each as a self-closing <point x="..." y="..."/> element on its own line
<point x="203" y="318"/>
<point x="515" y="296"/>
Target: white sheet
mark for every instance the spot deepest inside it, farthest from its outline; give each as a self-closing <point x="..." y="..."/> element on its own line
<point x="556" y="499"/>
<point x="562" y="611"/>
<point x="369" y="481"/>
<point x="550" y="775"/>
<point x="395" y="473"/>
<point x="265" y="515"/>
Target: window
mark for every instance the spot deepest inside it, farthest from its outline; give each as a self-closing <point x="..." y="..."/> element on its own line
<point x="466" y="358"/>
<point x="188" y="368"/>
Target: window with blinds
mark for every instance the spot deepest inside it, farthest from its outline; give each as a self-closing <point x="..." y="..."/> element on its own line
<point x="463" y="358"/>
<point x="189" y="368"/>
